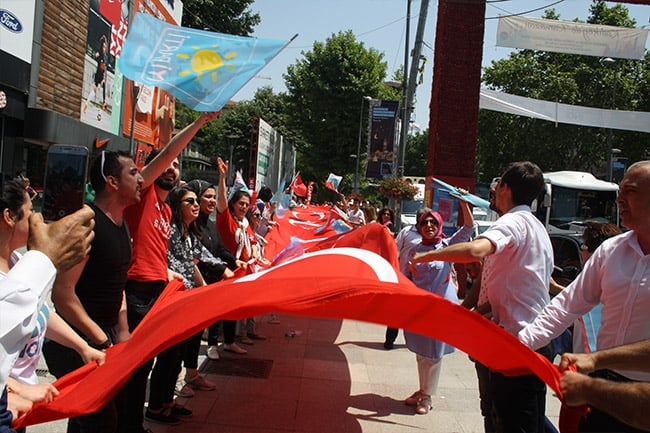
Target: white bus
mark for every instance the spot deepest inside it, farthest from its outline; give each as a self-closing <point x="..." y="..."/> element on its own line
<point x="573" y="197"/>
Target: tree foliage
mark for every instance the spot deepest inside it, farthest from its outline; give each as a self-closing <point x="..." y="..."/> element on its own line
<point x="569" y="79"/>
<point x="415" y="154"/>
<point x="224" y="16"/>
<point x="326" y="90"/>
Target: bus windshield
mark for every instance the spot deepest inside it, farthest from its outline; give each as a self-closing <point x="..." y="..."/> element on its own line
<point x="574" y="205"/>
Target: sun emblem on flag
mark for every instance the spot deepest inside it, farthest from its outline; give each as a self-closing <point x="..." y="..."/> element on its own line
<point x="206" y="61"/>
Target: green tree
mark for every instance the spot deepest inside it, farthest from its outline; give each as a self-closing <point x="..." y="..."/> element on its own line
<point x="236" y="126"/>
<point x="224" y="16"/>
<point x="569" y="79"/>
<point x="415" y="154"/>
<point x="324" y="96"/>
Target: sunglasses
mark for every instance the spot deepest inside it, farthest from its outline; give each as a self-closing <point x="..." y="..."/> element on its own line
<point x="191" y="201"/>
<point x="429" y="222"/>
<point x="257" y="214"/>
<point x="386" y="214"/>
<point x="102" y="166"/>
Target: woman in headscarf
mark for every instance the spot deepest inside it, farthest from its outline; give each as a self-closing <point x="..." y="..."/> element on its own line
<point x="437" y="278"/>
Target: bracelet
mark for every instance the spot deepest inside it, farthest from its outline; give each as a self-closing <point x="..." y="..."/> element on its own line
<point x="102" y="346"/>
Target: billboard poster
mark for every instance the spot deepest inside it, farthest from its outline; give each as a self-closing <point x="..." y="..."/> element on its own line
<point x="148" y="112"/>
<point x="98" y="90"/>
<point x="382" y="138"/>
<point x="274" y="156"/>
<point x="17" y="28"/>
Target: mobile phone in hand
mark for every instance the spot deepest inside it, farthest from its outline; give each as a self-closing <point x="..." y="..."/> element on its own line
<point x="64" y="189"/>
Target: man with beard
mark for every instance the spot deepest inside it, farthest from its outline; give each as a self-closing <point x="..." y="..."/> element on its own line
<point x="148" y="275"/>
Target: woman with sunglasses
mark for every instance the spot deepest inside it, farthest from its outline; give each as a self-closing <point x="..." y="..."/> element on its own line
<point x="185" y="248"/>
<point x="435" y="277"/>
<point x="387" y="219"/>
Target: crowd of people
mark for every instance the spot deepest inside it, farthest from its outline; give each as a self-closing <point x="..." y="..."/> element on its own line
<point x="108" y="263"/>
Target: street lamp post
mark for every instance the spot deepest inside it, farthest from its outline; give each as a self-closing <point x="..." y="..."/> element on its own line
<point x="406" y="109"/>
<point x="610" y="133"/>
<point x="230" y="175"/>
<point x="357" y="179"/>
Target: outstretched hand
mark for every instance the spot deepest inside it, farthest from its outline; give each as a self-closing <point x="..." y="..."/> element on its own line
<point x="67" y="241"/>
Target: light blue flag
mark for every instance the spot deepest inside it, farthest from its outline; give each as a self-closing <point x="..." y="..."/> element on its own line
<point x="472" y="199"/>
<point x="202" y="69"/>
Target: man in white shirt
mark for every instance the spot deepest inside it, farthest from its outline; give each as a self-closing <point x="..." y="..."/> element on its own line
<point x="516" y="274"/>
<point x="618" y="276"/>
<point x="52" y="247"/>
<point x="622" y="400"/>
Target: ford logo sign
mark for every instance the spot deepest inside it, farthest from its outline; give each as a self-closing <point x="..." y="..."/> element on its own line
<point x="10" y="21"/>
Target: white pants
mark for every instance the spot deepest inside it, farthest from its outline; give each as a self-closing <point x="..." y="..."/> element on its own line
<point x="428" y="373"/>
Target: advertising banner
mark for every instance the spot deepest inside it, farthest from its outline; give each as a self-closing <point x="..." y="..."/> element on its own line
<point x="275" y="159"/>
<point x="107" y="24"/>
<point x="17" y="28"/>
<point x="571" y="38"/>
<point x="382" y="139"/>
<point x="154" y="108"/>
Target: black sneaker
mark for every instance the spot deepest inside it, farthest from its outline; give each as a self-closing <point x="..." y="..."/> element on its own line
<point x="181" y="411"/>
<point x="163" y="417"/>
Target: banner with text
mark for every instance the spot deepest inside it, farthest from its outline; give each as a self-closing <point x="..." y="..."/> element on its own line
<point x="571" y="37"/>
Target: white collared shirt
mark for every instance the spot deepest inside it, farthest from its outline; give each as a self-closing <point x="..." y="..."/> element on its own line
<point x="618" y="276"/>
<point x="516" y="276"/>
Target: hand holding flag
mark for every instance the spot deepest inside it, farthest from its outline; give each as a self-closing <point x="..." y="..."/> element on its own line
<point x="472" y="199"/>
<point x="333" y="181"/>
<point x="298" y="186"/>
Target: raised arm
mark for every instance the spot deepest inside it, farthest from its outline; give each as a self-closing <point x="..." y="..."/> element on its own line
<point x="222" y="199"/>
<point x="174" y="148"/>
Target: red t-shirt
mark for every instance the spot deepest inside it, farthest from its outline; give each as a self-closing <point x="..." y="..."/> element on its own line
<point x="149" y="224"/>
<point x="229" y="230"/>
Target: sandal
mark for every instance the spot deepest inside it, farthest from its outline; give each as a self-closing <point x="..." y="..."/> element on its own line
<point x="424" y="405"/>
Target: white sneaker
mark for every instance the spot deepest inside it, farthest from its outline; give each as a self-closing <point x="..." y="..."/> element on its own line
<point x="183" y="390"/>
<point x="213" y="353"/>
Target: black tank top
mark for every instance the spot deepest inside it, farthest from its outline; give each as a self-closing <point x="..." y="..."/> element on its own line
<point x="102" y="281"/>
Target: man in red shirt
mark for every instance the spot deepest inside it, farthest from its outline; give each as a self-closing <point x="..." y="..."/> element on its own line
<point x="148" y="275"/>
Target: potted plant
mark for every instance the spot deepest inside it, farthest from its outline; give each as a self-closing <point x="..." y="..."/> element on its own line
<point x="397" y="188"/>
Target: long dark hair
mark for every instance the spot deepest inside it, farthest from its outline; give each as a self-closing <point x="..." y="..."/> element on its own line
<point x="175" y="198"/>
<point x="13" y="198"/>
